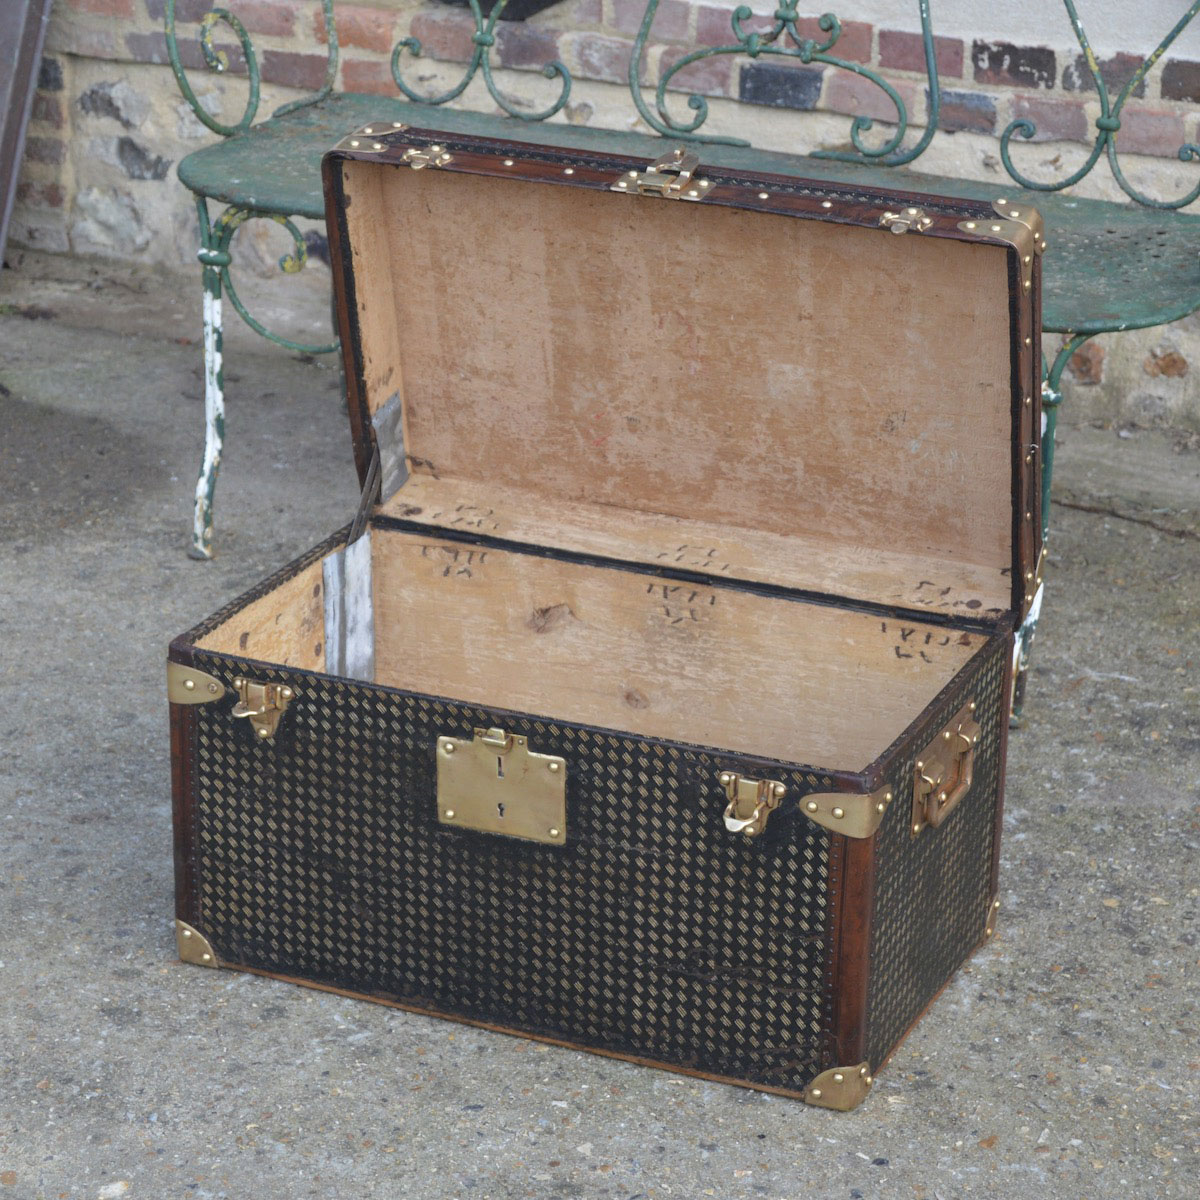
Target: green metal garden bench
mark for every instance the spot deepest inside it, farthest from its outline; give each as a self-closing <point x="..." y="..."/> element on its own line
<point x="1108" y="267"/>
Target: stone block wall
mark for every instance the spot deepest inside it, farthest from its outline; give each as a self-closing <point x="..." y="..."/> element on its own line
<point x="109" y="124"/>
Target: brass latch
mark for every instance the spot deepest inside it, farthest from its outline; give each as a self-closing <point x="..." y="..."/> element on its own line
<point x="906" y="219"/>
<point x="671" y="176"/>
<point x="494" y="783"/>
<point x="262" y="703"/>
<point x="751" y="802"/>
<point x="942" y="774"/>
<point x="434" y="156"/>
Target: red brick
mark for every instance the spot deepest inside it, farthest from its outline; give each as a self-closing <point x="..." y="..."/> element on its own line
<point x="1147" y="131"/>
<point x="1115" y="73"/>
<point x="1181" y="81"/>
<point x="859" y="97"/>
<point x="306" y="71"/>
<point x="359" y="75"/>
<point x="106" y="8"/>
<point x="973" y="112"/>
<point x="599" y="57"/>
<point x="45" y="150"/>
<point x="521" y="45"/>
<point x="1056" y="120"/>
<point x="275" y="18"/>
<point x="707" y="76"/>
<point x="854" y="44"/>
<point x="47" y="109"/>
<point x="152" y="48"/>
<point x="444" y="35"/>
<point x="40" y="195"/>
<point x="713" y="26"/>
<point x="670" y="21"/>
<point x="366" y="28"/>
<point x="1165" y="361"/>
<point x="901" y="51"/>
<point x="67" y="37"/>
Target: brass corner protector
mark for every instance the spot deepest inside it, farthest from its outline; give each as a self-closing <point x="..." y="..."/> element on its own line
<point x="366" y="140"/>
<point x="853" y="815"/>
<point x="993" y="911"/>
<point x="909" y="219"/>
<point x="186" y="685"/>
<point x="193" y="946"/>
<point x="840" y="1088"/>
<point x="1020" y="226"/>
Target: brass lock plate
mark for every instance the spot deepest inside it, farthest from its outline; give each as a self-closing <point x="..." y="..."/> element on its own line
<point x="943" y="770"/>
<point x="494" y="783"/>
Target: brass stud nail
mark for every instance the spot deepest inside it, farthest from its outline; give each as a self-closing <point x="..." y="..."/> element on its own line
<point x="838" y="1077"/>
<point x="912" y="212"/>
<point x="354" y="141"/>
<point x="206" y="957"/>
<point x="764" y="195"/>
<point x="448" y="747"/>
<point x="995" y="228"/>
<point x="916" y="829"/>
<point x="286" y="693"/>
<point x="1028" y="459"/>
<point x="815" y="1093"/>
<point x="1029" y="341"/>
<point x="213" y="687"/>
<point x="189" y="684"/>
<point x="693" y="192"/>
<point x="920" y="765"/>
<point x="368" y="129"/>
<point x="868" y="1080"/>
<point x="1029" y="575"/>
<point x="971" y="706"/>
<point x="1028" y="260"/>
<point x="888" y="797"/>
<point x="553" y="832"/>
<point x="508" y="162"/>
<point x="569" y="171"/>
<point x="263" y="733"/>
<point x="449" y="814"/>
<point x="398" y="125"/>
<point x="995" y="903"/>
<point x="826" y="203"/>
<point x="553" y="766"/>
<point x="1028" y="285"/>
<point x="970" y="224"/>
<point x="1002" y="200"/>
<point x="436" y="149"/>
<point x="838" y="813"/>
<point x="811" y="806"/>
<point x="779" y="789"/>
<point x="946" y="735"/>
<point x="1029" y="516"/>
<point x="881" y="807"/>
<point x="187" y="933"/>
<point x="726" y="778"/>
<point x="862" y="1071"/>
<point x="377" y="146"/>
<point x="943" y="797"/>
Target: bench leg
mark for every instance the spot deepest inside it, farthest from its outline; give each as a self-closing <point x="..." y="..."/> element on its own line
<point x="1051" y="399"/>
<point x="212" y="258"/>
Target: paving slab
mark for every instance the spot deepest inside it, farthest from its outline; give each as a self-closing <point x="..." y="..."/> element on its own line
<point x="1064" y="1061"/>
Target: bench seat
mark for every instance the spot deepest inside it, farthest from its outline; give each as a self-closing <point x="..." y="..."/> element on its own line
<point x="1108" y="266"/>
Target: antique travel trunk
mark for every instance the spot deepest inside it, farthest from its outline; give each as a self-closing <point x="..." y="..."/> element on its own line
<point x="655" y="702"/>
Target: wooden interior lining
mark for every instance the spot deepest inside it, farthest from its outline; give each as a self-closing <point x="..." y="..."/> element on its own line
<point x="604" y="646"/>
<point x="803" y="562"/>
<point x="744" y="370"/>
<point x="284" y="626"/>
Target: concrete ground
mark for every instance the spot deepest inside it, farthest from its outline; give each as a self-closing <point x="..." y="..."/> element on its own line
<point x="1063" y="1062"/>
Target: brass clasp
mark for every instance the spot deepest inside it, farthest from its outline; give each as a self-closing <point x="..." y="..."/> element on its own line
<point x="434" y="156"/>
<point x="942" y="773"/>
<point x="262" y="704"/>
<point x="493" y="783"/>
<point x="906" y="219"/>
<point x="671" y="176"/>
<point x="751" y="802"/>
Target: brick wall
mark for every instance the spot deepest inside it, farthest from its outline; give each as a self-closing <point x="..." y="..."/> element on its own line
<point x="109" y="125"/>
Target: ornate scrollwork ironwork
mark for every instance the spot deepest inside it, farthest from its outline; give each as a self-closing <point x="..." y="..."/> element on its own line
<point x="217" y="60"/>
<point x="216" y="253"/>
<point x="483" y="39"/>
<point x="783" y="39"/>
<point x="1107" y="124"/>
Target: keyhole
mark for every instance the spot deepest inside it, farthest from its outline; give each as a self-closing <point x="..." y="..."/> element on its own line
<point x="499" y="769"/>
<point x="500" y="810"/>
